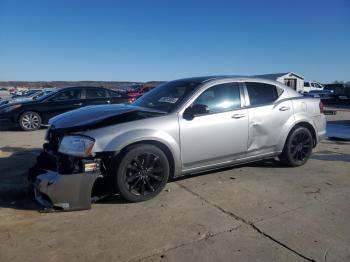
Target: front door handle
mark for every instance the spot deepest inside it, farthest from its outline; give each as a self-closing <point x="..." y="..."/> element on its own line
<point x="284" y="108"/>
<point x="108" y="101"/>
<point x="78" y="104"/>
<point x="237" y="116"/>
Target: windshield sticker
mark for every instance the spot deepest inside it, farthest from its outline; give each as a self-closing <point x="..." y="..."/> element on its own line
<point x="171" y="100"/>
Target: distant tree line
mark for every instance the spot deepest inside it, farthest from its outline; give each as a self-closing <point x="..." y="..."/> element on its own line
<point x="347" y="83"/>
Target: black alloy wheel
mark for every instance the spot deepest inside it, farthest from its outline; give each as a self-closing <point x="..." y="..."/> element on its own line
<point x="298" y="147"/>
<point x="142" y="173"/>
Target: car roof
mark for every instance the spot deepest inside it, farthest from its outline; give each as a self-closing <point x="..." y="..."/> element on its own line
<point x="74" y="87"/>
<point x="204" y="79"/>
<point x="60" y="89"/>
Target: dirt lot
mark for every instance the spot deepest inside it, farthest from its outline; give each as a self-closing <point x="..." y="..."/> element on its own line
<point x="255" y="212"/>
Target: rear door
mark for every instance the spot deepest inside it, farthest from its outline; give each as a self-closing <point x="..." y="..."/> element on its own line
<point x="269" y="116"/>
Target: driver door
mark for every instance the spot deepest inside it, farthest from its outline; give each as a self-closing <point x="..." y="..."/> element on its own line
<point x="62" y="102"/>
<point x="218" y="136"/>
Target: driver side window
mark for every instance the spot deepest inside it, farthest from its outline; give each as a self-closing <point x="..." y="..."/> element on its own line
<point x="220" y="98"/>
<point x="68" y="95"/>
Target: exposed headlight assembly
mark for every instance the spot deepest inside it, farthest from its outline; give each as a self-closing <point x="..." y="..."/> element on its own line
<point x="80" y="146"/>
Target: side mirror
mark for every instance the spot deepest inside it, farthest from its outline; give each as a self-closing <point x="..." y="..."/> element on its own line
<point x="195" y="110"/>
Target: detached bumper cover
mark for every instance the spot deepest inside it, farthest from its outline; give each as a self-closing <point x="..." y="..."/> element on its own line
<point x="62" y="182"/>
<point x="65" y="192"/>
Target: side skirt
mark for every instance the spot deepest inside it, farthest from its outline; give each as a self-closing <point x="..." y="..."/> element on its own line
<point x="235" y="162"/>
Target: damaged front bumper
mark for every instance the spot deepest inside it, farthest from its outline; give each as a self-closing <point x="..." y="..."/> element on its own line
<point x="58" y="187"/>
<point x="64" y="192"/>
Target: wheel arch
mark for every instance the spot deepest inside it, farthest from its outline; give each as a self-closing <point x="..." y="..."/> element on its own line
<point x="161" y="146"/>
<point x="302" y="123"/>
<point x="311" y="128"/>
<point x="174" y="166"/>
<point x="29" y="110"/>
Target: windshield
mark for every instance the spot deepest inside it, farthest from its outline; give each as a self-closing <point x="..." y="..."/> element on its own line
<point x="46" y="94"/>
<point x="30" y="93"/>
<point x="40" y="94"/>
<point x="168" y="96"/>
<point x="33" y="94"/>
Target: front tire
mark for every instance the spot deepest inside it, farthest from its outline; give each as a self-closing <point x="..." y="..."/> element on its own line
<point x="298" y="147"/>
<point x="30" y="121"/>
<point x="142" y="173"/>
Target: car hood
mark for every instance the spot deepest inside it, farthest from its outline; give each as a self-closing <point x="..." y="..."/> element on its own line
<point x="7" y="103"/>
<point x="91" y="117"/>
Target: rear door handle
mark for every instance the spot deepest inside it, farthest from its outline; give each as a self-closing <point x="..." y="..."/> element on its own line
<point x="78" y="104"/>
<point x="237" y="116"/>
<point x="284" y="108"/>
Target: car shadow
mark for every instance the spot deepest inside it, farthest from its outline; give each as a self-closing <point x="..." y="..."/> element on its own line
<point x="6" y="127"/>
<point x="14" y="128"/>
<point x="112" y="199"/>
<point x="265" y="163"/>
<point x="339" y="122"/>
<point x="338" y="130"/>
<point x="15" y="191"/>
<point x="14" y="187"/>
<point x="327" y="155"/>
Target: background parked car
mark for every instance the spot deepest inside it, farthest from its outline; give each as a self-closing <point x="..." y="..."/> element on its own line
<point x="327" y="96"/>
<point x="26" y="93"/>
<point x="137" y="91"/>
<point x="4" y="94"/>
<point x="29" y="96"/>
<point x="31" y="114"/>
<point x="341" y="92"/>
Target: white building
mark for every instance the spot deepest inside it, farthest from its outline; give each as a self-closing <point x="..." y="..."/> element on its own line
<point x="291" y="79"/>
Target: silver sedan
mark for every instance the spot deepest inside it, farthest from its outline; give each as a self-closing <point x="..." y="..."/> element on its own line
<point x="181" y="127"/>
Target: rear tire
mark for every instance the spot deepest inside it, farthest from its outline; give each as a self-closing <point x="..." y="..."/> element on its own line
<point x="30" y="121"/>
<point x="142" y="173"/>
<point x="298" y="147"/>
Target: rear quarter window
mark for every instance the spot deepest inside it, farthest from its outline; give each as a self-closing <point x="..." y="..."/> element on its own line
<point x="261" y="93"/>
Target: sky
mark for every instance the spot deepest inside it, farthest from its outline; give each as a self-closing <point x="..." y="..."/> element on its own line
<point x="164" y="40"/>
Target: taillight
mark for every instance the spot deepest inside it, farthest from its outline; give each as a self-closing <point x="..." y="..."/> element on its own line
<point x="131" y="99"/>
<point x="321" y="107"/>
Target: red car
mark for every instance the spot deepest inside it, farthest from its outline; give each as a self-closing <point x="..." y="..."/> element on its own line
<point x="137" y="91"/>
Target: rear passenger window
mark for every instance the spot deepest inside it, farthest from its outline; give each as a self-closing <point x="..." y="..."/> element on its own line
<point x="261" y="93"/>
<point x="221" y="98"/>
<point x="95" y="93"/>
